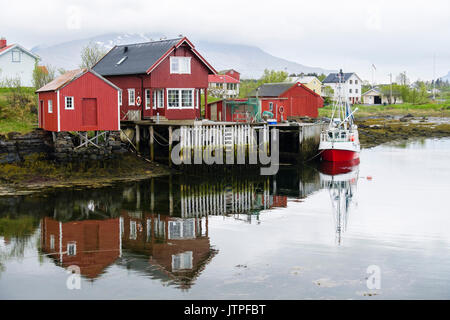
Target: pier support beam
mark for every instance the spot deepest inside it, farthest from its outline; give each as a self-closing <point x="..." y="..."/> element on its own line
<point x="152" y="141"/>
<point x="138" y="137"/>
<point x="170" y="146"/>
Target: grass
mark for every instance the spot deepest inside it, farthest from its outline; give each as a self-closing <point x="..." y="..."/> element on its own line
<point x="18" y="118"/>
<point x="16" y="125"/>
<point x="418" y="110"/>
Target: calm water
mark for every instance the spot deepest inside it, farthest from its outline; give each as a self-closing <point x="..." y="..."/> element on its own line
<point x="308" y="233"/>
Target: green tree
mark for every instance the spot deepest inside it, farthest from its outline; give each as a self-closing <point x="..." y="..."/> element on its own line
<point x="42" y="75"/>
<point x="91" y="54"/>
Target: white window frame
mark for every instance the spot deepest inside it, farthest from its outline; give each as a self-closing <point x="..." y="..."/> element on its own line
<point x="72" y="103"/>
<point x="120" y="97"/>
<point x="133" y="230"/>
<point x="74" y="245"/>
<point x="50" y="106"/>
<point x="158" y="98"/>
<point x="130" y="102"/>
<point x="147" y="99"/>
<point x="197" y="94"/>
<point x="180" y="70"/>
<point x="52" y="242"/>
<point x="183" y="259"/>
<point x="19" y="53"/>
<point x="180" y="106"/>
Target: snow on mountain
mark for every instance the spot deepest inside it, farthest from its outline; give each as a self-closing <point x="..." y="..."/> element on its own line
<point x="250" y="61"/>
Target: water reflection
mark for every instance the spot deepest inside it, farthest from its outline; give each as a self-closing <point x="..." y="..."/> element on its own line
<point x="158" y="228"/>
<point x="341" y="181"/>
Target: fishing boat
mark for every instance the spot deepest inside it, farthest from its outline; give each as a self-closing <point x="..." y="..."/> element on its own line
<point x="340" y="141"/>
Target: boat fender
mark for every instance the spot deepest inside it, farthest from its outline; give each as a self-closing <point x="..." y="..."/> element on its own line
<point x="281" y="109"/>
<point x="138" y="101"/>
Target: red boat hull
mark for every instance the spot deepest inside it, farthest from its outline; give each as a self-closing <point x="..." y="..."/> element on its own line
<point x="336" y="155"/>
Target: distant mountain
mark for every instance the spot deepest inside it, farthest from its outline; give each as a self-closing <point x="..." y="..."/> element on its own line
<point x="446" y="78"/>
<point x="250" y="61"/>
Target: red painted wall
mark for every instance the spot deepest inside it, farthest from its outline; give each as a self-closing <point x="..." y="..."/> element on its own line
<point x="89" y="86"/>
<point x="161" y="78"/>
<point x="50" y="120"/>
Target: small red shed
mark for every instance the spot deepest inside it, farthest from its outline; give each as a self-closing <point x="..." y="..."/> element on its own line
<point x="288" y="100"/>
<point x="79" y="100"/>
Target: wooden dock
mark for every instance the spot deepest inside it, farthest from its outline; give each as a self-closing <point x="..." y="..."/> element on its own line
<point x="235" y="143"/>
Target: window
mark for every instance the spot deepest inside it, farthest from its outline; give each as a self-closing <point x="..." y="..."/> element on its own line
<point x="50" y="106"/>
<point x="182" y="229"/>
<point x="149" y="230"/>
<point x="181" y="65"/>
<point x="351" y="81"/>
<point x="16" y="55"/>
<point x="133" y="233"/>
<point x="69" y="103"/>
<point x="270" y="106"/>
<point x="173" y="98"/>
<point x="182" y="261"/>
<point x="71" y="249"/>
<point x="180" y="98"/>
<point x="147" y="99"/>
<point x="120" y="98"/>
<point x="158" y="99"/>
<point x="356" y="90"/>
<point x="52" y="242"/>
<point x="131" y="97"/>
<point x="356" y="81"/>
<point x="350" y="90"/>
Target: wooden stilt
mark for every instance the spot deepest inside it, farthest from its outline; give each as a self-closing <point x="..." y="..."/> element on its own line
<point x="138" y="137"/>
<point x="170" y="146"/>
<point x="152" y="140"/>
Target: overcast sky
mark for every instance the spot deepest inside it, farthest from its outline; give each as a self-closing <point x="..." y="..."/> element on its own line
<point x="394" y="35"/>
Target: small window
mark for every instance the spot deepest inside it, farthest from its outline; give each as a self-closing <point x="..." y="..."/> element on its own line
<point x="133" y="230"/>
<point x="270" y="106"/>
<point x="69" y="103"/>
<point x="181" y="65"/>
<point x="356" y="90"/>
<point x="187" y="99"/>
<point x="16" y="56"/>
<point x="121" y="60"/>
<point x="173" y="98"/>
<point x="356" y="81"/>
<point x="52" y="242"/>
<point x="351" y="81"/>
<point x="71" y="249"/>
<point x="147" y="99"/>
<point x="350" y="90"/>
<point x="50" y="106"/>
<point x="131" y="97"/>
<point x="120" y="98"/>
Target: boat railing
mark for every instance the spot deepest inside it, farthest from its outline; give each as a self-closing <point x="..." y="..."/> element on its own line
<point x="338" y="136"/>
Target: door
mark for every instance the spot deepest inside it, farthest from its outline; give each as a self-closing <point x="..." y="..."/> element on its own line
<point x="377" y="100"/>
<point x="89" y="108"/>
<point x="41" y="113"/>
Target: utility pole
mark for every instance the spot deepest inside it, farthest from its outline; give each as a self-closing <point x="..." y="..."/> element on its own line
<point x="390" y="76"/>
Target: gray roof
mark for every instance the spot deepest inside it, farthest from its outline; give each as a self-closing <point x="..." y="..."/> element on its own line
<point x="139" y="57"/>
<point x="272" y="89"/>
<point x="333" y="77"/>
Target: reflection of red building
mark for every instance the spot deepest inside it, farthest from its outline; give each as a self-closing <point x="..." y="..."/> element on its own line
<point x="92" y="245"/>
<point x="180" y="248"/>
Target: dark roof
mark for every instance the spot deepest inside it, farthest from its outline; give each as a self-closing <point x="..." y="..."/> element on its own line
<point x="333" y="77"/>
<point x="272" y="89"/>
<point x="139" y="57"/>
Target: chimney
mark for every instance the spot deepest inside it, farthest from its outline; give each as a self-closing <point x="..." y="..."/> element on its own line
<point x="2" y="43"/>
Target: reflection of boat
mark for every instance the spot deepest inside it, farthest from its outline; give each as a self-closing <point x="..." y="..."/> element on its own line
<point x="341" y="182"/>
<point x="340" y="141"/>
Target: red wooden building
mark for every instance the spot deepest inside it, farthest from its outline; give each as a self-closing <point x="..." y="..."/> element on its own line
<point x="283" y="100"/>
<point x="164" y="78"/>
<point x="288" y="100"/>
<point x="79" y="100"/>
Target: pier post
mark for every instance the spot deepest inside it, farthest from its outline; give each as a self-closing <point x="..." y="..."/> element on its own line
<point x="138" y="137"/>
<point x="152" y="151"/>
<point x="170" y="146"/>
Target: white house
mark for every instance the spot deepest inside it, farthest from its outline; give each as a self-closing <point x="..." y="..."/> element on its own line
<point x="16" y="62"/>
<point x="374" y="96"/>
<point x="351" y="86"/>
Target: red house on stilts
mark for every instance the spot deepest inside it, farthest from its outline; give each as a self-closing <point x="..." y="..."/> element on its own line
<point x="162" y="78"/>
<point x="79" y="100"/>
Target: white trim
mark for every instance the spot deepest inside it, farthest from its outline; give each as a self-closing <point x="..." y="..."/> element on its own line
<point x="58" y="112"/>
<point x="134" y="95"/>
<point x="21" y="48"/>
<point x="197" y="105"/>
<point x="74" y="244"/>
<point x="180" y="98"/>
<point x="65" y="103"/>
<point x="119" y="96"/>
